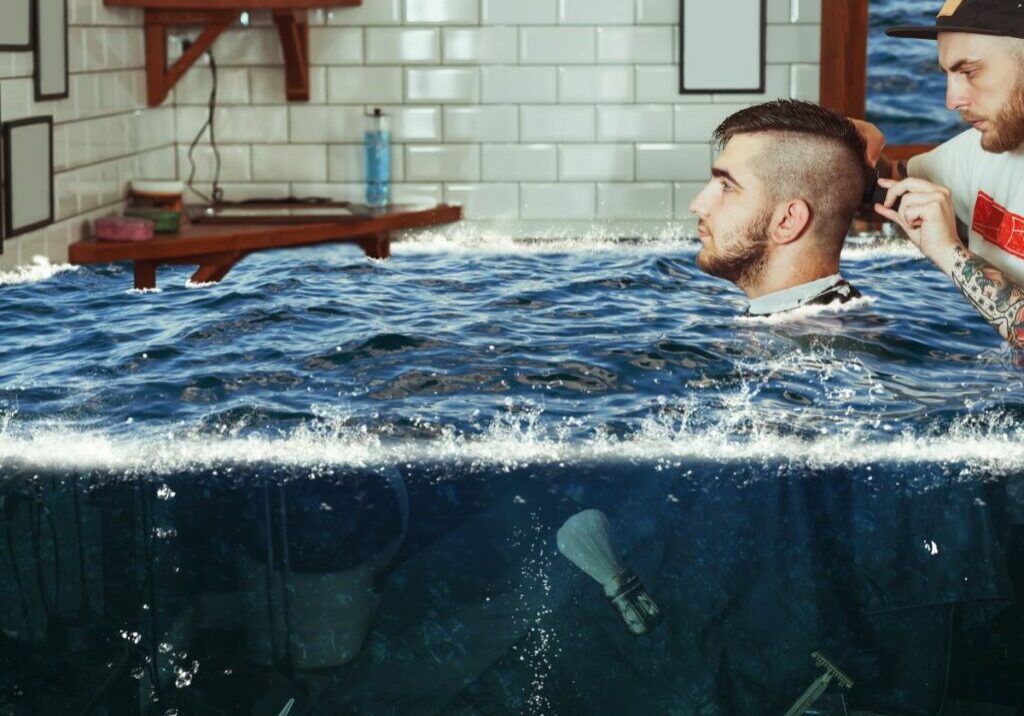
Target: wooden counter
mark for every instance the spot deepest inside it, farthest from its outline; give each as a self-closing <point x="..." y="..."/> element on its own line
<point x="216" y="248"/>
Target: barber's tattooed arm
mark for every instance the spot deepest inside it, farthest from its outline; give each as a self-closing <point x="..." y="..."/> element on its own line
<point x="927" y="217"/>
<point x="999" y="300"/>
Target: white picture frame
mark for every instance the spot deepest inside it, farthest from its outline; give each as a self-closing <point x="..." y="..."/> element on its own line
<point x="50" y="35"/>
<point x="15" y="25"/>
<point x="28" y="175"/>
<point x="706" y="27"/>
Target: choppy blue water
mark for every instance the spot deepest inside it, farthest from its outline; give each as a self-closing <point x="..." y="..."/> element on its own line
<point x="400" y="441"/>
<point x="906" y="89"/>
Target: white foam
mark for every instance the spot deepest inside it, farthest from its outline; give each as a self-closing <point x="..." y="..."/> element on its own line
<point x="995" y="445"/>
<point x="598" y="239"/>
<point x="881" y="249"/>
<point x="499" y="243"/>
<point x="40" y="270"/>
<point x="189" y="283"/>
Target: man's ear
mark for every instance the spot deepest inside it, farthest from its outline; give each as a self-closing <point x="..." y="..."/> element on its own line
<point x="791" y="221"/>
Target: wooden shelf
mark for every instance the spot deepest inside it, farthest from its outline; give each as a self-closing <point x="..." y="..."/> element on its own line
<point x="216" y="248"/>
<point x="216" y="16"/>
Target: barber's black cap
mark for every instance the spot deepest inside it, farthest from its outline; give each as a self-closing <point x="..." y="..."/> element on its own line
<point x="978" y="17"/>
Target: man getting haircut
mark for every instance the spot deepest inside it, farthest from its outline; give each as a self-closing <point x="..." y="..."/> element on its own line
<point x="783" y="192"/>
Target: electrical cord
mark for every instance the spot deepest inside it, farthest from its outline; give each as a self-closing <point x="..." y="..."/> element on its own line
<point x="56" y="561"/>
<point x="270" y="566"/>
<point x="84" y="603"/>
<point x="949" y="658"/>
<point x="217" y="195"/>
<point x="36" y="528"/>
<point x="286" y="570"/>
<point x="17" y="572"/>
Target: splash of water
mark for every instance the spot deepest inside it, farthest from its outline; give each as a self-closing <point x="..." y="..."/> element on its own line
<point x="993" y="442"/>
<point x="38" y="271"/>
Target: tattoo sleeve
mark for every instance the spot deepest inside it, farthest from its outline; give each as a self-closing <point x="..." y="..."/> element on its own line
<point x="999" y="299"/>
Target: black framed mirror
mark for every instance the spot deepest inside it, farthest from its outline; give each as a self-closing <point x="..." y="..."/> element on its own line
<point x="705" y="28"/>
<point x="28" y="174"/>
<point x="15" y="25"/>
<point x="50" y="32"/>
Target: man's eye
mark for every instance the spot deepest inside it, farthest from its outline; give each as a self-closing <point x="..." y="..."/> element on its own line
<point x="725" y="185"/>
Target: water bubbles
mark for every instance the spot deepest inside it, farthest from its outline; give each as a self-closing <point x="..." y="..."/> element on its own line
<point x="132" y="637"/>
<point x="183" y="675"/>
<point x="165" y="493"/>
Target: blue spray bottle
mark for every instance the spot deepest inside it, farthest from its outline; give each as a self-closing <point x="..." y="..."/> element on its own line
<point x="377" y="141"/>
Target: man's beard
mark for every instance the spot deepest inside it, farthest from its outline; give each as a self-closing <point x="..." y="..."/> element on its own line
<point x="1007" y="132"/>
<point x="745" y="261"/>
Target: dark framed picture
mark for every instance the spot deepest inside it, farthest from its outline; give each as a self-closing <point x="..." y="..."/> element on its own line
<point x="50" y="32"/>
<point x="28" y="174"/>
<point x="705" y="28"/>
<point x="15" y="25"/>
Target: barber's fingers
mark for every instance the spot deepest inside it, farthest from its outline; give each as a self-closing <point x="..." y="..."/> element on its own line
<point x="889" y="214"/>
<point x="894" y="216"/>
<point x="911" y="185"/>
<point x="916" y="208"/>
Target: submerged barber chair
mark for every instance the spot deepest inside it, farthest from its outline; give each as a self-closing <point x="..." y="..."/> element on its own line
<point x="308" y="578"/>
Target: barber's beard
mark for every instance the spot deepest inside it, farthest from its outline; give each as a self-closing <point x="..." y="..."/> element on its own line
<point x="745" y="260"/>
<point x="1007" y="132"/>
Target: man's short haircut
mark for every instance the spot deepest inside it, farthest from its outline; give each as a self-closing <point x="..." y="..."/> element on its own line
<point x="815" y="154"/>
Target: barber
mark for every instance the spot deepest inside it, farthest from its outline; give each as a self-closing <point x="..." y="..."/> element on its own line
<point x="978" y="176"/>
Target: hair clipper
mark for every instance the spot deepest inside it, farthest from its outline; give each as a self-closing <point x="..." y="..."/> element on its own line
<point x="876" y="194"/>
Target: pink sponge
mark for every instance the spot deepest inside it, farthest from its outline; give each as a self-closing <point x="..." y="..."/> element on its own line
<point x="116" y="228"/>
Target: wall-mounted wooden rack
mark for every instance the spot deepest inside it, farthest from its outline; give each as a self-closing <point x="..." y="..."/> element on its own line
<point x="290" y="17"/>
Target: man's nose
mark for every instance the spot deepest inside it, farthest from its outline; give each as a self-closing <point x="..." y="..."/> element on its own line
<point x="955" y="99"/>
<point x="699" y="205"/>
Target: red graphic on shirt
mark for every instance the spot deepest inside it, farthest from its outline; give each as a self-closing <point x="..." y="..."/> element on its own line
<point x="998" y="226"/>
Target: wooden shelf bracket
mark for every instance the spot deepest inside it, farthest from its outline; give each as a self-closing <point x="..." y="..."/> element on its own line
<point x="160" y="79"/>
<point x="292" y="27"/>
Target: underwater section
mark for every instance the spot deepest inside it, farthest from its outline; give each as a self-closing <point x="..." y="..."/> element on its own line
<point x="446" y="588"/>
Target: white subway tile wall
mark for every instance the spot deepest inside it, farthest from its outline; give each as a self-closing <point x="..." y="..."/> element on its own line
<point x="104" y="135"/>
<point x="541" y="110"/>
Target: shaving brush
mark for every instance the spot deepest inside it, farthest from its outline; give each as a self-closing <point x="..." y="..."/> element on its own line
<point x="584" y="539"/>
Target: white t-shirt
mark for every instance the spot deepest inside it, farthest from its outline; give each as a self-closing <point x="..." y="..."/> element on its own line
<point x="988" y="196"/>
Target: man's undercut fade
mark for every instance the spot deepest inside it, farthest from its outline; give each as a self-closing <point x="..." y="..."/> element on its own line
<point x="814" y="154"/>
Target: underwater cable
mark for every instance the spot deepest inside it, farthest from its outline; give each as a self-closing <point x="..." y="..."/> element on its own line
<point x="268" y="532"/>
<point x="14" y="566"/>
<point x="286" y="570"/>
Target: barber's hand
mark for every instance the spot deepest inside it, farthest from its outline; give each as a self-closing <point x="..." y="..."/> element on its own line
<point x="873" y="137"/>
<point x="926" y="215"/>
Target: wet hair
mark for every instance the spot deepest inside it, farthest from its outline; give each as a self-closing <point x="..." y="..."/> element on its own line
<point x="815" y="154"/>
